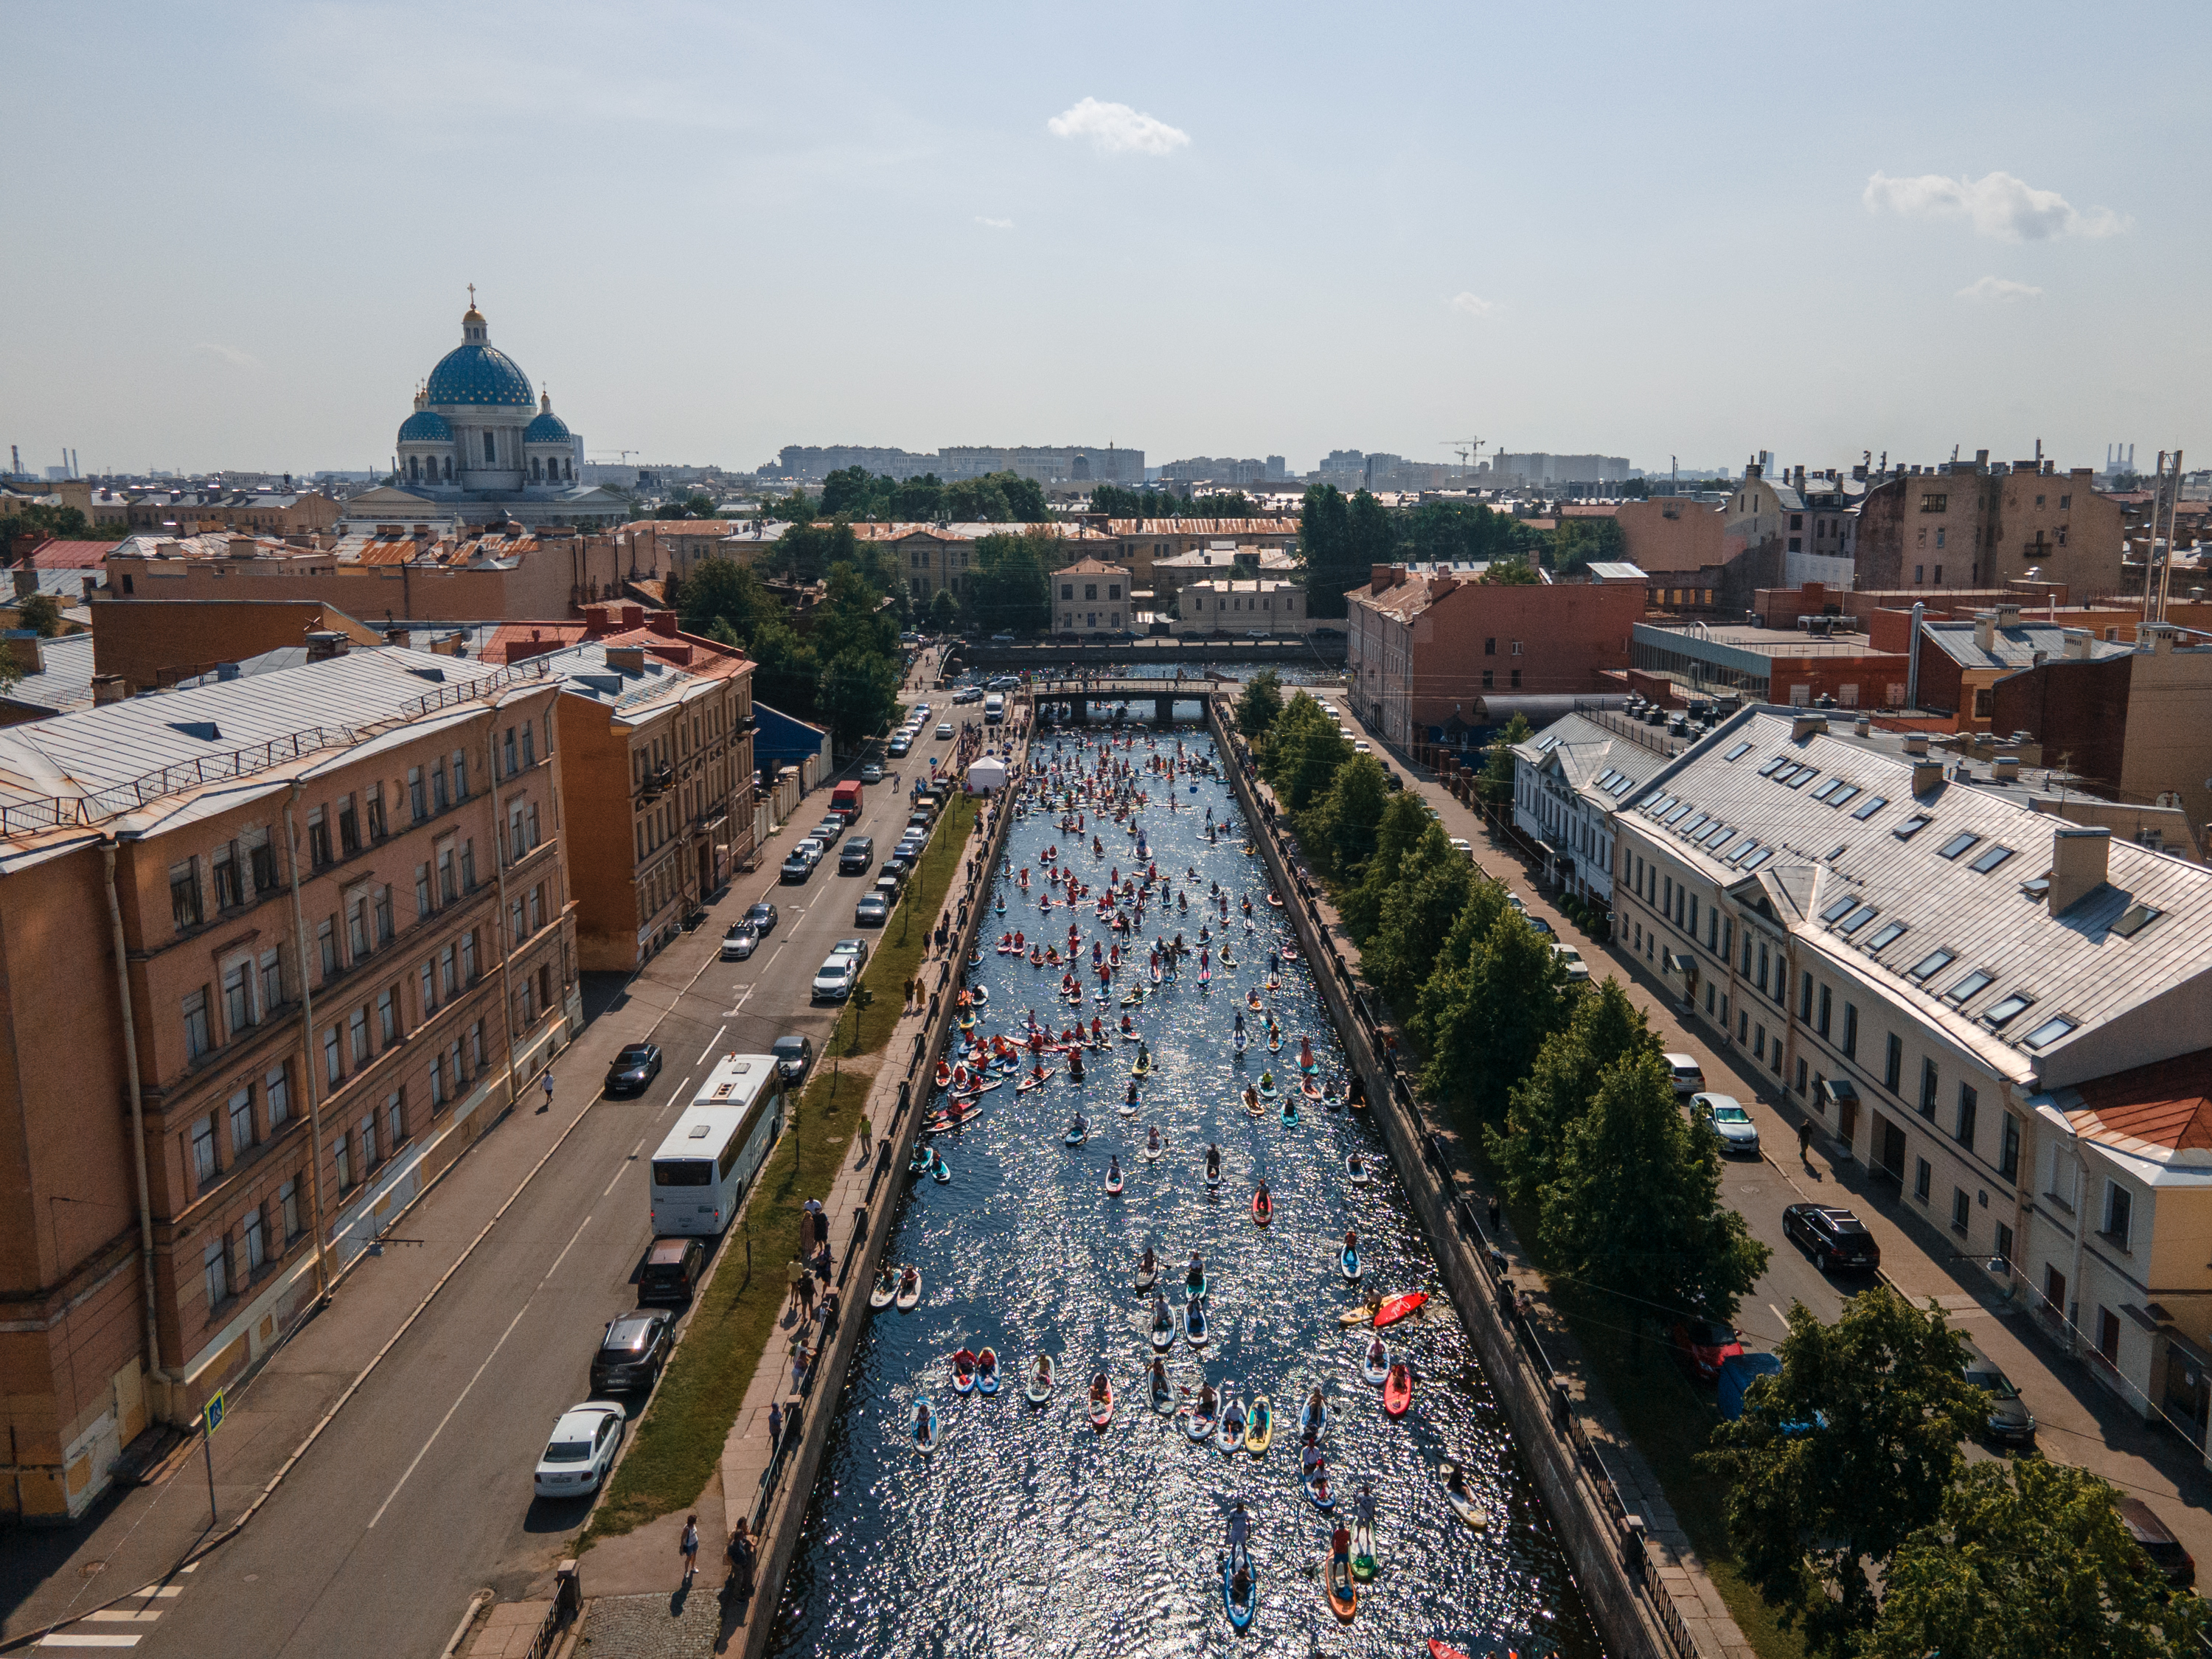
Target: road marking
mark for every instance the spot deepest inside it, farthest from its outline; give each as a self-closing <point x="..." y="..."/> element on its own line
<point x="675" y="1100"/>
<point x="565" y="1248"/>
<point x="709" y="1049"/>
<point x="1780" y="1314"/>
<point x="456" y="1405"/>
<point x="118" y="1616"/>
<point x="89" y="1642"/>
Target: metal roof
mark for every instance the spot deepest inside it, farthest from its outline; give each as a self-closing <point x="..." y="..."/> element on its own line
<point x="64" y="683"/>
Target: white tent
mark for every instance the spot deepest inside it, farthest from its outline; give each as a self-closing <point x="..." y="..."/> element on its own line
<point x="987" y="774"/>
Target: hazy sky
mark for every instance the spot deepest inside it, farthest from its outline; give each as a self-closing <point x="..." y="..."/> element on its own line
<point x="238" y="236"/>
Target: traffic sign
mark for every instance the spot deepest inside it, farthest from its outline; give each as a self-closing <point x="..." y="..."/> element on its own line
<point x="212" y="1413"/>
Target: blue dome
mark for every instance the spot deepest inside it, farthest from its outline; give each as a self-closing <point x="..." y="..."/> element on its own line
<point x="547" y="428"/>
<point x="480" y="374"/>
<point x="425" y="425"/>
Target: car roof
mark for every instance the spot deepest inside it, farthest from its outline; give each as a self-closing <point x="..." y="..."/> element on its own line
<point x="628" y="1048"/>
<point x="790" y="1041"/>
<point x="584" y="1419"/>
<point x="1680" y="1060"/>
<point x="671" y="1249"/>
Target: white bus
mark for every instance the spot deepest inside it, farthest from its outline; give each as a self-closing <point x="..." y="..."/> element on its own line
<point x="702" y="1170"/>
<point x="994" y="709"/>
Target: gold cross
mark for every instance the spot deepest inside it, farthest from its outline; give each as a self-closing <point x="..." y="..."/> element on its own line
<point x="472" y="296"/>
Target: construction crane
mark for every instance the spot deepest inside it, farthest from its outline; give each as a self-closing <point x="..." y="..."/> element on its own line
<point x="1466" y="448"/>
<point x="621" y="456"/>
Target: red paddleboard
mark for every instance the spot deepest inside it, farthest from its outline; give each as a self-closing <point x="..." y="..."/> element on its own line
<point x="1443" y="1651"/>
<point x="1397" y="1307"/>
<point x="1261" y="1213"/>
<point x="1398" y="1389"/>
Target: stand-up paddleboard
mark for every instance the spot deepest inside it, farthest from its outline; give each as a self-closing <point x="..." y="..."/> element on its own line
<point x="1231" y="1433"/>
<point x="1113" y="1184"/>
<point x="1463" y="1504"/>
<point x="1147" y="1277"/>
<point x="1163" y="1327"/>
<point x="986" y="1371"/>
<point x="910" y="1295"/>
<point x="964" y="1372"/>
<point x="1263" y="1210"/>
<point x="1199" y="1425"/>
<point x="925" y="1427"/>
<point x="1348" y="1261"/>
<point x="1395" y="1308"/>
<point x="1259" y="1426"/>
<point x="886" y="1287"/>
<point x="1240" y="1610"/>
<point x="1398" y="1389"/>
<point x="1313" y="1418"/>
<point x="1163" y="1396"/>
<point x="1356" y="1169"/>
<point x="1362" y="1550"/>
<point x="1194" y="1324"/>
<point x="1343" y="1594"/>
<point x="1375" y="1368"/>
<point x="1038" y="1390"/>
<point x="1102" y="1410"/>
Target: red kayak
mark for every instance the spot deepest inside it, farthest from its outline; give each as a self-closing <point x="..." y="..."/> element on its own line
<point x="1397" y="1307"/>
<point x="1443" y="1651"/>
<point x="1398" y="1389"/>
<point x="1263" y="1210"/>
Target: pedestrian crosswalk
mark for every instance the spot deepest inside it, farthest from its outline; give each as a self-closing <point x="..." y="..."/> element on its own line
<point x="123" y="1625"/>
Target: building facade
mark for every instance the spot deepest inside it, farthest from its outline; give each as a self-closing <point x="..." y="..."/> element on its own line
<point x="1973" y="525"/>
<point x="1091" y="596"/>
<point x="296" y="935"/>
<point x="1569" y="781"/>
<point x="1223" y="605"/>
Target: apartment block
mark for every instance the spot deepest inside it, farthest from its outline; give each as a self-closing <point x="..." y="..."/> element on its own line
<point x="1973" y="525"/>
<point x="274" y="950"/>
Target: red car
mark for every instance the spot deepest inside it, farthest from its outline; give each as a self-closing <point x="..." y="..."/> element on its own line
<point x="1702" y="1344"/>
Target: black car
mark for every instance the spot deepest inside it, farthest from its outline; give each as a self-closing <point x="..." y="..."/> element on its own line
<point x="760" y="918"/>
<point x="2160" y="1548"/>
<point x="897" y="865"/>
<point x="631" y="1353"/>
<point x="636" y="1066"/>
<point x="672" y="1270"/>
<point x="1833" y="1237"/>
<point x="795" y="870"/>
<point x="859" y="854"/>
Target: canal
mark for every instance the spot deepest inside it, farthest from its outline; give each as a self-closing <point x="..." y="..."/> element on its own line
<point x="1027" y="1531"/>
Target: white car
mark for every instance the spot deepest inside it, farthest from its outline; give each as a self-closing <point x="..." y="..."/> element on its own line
<point x="1572" y="960"/>
<point x="1730" y="1122"/>
<point x="1462" y="846"/>
<point x="943" y="730"/>
<point x="1689" y="1076"/>
<point x="835" y="979"/>
<point x="810" y="849"/>
<point x="580" y="1449"/>
<point x="739" y="943"/>
<point x="1362" y="747"/>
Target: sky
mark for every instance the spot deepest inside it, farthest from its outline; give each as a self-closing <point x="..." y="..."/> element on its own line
<point x="239" y="236"/>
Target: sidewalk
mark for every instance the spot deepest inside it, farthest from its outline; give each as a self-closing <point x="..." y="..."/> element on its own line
<point x="2080" y="1420"/>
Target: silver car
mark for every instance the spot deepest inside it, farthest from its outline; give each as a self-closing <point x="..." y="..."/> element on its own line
<point x="1730" y="1122"/>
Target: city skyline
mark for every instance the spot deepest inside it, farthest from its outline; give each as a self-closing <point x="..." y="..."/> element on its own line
<point x="1927" y="267"/>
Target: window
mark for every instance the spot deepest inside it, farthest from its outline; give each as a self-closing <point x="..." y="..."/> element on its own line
<point x="256" y="1250"/>
<point x="468" y="956"/>
<point x="276" y="1094"/>
<point x="2135" y="919"/>
<point x="1516" y="677"/>
<point x="1935" y="503"/>
<point x="529" y="744"/>
<point x="376" y="811"/>
<point x="1489" y="679"/>
<point x="1962" y="1210"/>
<point x="1885" y="935"/>
<point x="343" y="1155"/>
<point x="238" y="996"/>
<point x="449" y="984"/>
<point x="469" y="865"/>
<point x="1490" y="648"/>
<point x="241" y="1122"/>
<point x="331" y="1069"/>
<point x="387" y="1018"/>
<point x="437" y="1084"/>
<point x="461" y="774"/>
<point x="215" y="1267"/>
<point x="476" y="1046"/>
<point x="369" y="1142"/>
<point x="448" y="887"/>
<point x="1739" y="751"/>
<point x="263" y="857"/>
<point x="1846" y="792"/>
<point x="438" y="801"/>
<point x="197" y="1038"/>
<point x="418" y="804"/>
<point x="1805" y="996"/>
<point x="357" y="1032"/>
<point x="1893" y="1065"/>
<point x="1991" y="858"/>
<point x="1929" y="1083"/>
<point x="1821" y="1024"/>
<point x="349" y="827"/>
<point x="1934" y="962"/>
<point x="2049" y="1032"/>
<point x="421" y="892"/>
<point x="1924" y="1178"/>
<point x="1912" y="826"/>
<point x="229" y="879"/>
<point x="2001" y="1012"/>
<point x="1959" y="994"/>
<point x="1516" y="647"/>
<point x="1968" y="1103"/>
<point x="318" y="838"/>
<point x="1958" y="844"/>
<point x="357" y="928"/>
<point x="202" y="1149"/>
<point x="288" y="1208"/>
<point x="506" y="746"/>
<point x="272" y="981"/>
<point x="1873" y="804"/>
<point x="2120" y="1210"/>
<point x="1857" y="919"/>
<point x="2008" y="1149"/>
<point x="395" y="1118"/>
<point x="184" y="894"/>
<point x="1851" y="1031"/>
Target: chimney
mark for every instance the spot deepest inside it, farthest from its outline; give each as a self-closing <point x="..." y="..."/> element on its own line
<point x="663" y="623"/>
<point x="108" y="688"/>
<point x="225" y="672"/>
<point x="1926" y="774"/>
<point x="23" y="646"/>
<point x="1381" y="578"/>
<point x="2006" y="767"/>
<point x="1804" y="726"/>
<point x="27" y="582"/>
<point x="1440" y="584"/>
<point x="1916" y="742"/>
<point x="2080" y="643"/>
<point x="241" y="547"/>
<point x="599" y="620"/>
<point x="2080" y="858"/>
<point x="2160" y="636"/>
<point x="633" y="616"/>
<point x="1985" y="631"/>
<point x="402" y="637"/>
<point x="324" y="643"/>
<point x="626" y="658"/>
<point x="2008" y="615"/>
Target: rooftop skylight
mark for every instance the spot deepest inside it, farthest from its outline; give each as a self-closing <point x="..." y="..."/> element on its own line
<point x="1931" y="964"/>
<point x="2135" y="919"/>
<point x="2049" y="1032"/>
<point x="2005" y="1009"/>
<point x="1739" y="751"/>
<point x="1991" y="857"/>
<point x="1912" y="826"/>
<point x="1958" y="844"/>
<point x="1976" y="981"/>
<point x="1873" y="804"/>
<point x="1885" y="935"/>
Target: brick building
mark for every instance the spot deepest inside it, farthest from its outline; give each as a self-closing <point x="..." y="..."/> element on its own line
<point x="1977" y="525"/>
<point x="1422" y="646"/>
<point x="276" y="949"/>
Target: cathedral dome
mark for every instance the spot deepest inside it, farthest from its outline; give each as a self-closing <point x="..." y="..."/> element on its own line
<point x="479" y="374"/>
<point x="548" y="428"/>
<point x="425" y="425"/>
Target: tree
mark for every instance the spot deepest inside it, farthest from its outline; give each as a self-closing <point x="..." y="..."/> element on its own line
<point x="2029" y="1560"/>
<point x="1373" y="536"/>
<point x="1579" y="543"/>
<point x="1483" y="1016"/>
<point x="1325" y="545"/>
<point x="1403" y="821"/>
<point x="943" y="611"/>
<point x="1337" y="830"/>
<point x="1846" y="1454"/>
<point x="918" y="500"/>
<point x="1303" y="750"/>
<point x="851" y="616"/>
<point x="1607" y="1028"/>
<point x="846" y="491"/>
<point x="41" y="612"/>
<point x="1495" y="786"/>
<point x="35" y="521"/>
<point x="1011" y="592"/>
<point x="1432" y="887"/>
<point x="1514" y="572"/>
<point x="859" y="696"/>
<point x="1635" y="1208"/>
<point x="1261" y="701"/>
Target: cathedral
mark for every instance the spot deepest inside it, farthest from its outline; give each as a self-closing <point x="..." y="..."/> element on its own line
<point x="479" y="446"/>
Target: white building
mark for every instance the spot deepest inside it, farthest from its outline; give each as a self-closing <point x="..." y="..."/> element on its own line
<point x="1269" y="604"/>
<point x="1569" y="781"/>
<point x="2004" y="1015"/>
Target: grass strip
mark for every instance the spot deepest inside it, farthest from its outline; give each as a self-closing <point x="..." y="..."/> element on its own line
<point x="678" y="1445"/>
<point x="873" y="1012"/>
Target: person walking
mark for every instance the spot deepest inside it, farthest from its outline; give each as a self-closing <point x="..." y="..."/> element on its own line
<point x="774" y="1427"/>
<point x="799" y="1368"/>
<point x="1805" y="1140"/>
<point x="805" y="1296"/>
<point x="795" y="1275"/>
<point x="821" y="1228"/>
<point x="689" y="1545"/>
<point x="547" y="1081"/>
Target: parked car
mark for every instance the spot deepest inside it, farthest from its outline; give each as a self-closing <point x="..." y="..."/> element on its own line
<point x="672" y="1269"/>
<point x="895" y="867"/>
<point x="872" y="772"/>
<point x="1833" y="1238"/>
<point x="920" y="711"/>
<point x="1361" y="746"/>
<point x="2156" y="1541"/>
<point x="634" y="1067"/>
<point x="902" y="744"/>
<point x="795" y="869"/>
<point x="1703" y="1345"/>
<point x="1002" y="639"/>
<point x="1460" y="844"/>
<point x="2009" y="1422"/>
<point x="835" y="980"/>
<point x="795" y="1054"/>
<point x="631" y="1353"/>
<point x="855" y="948"/>
<point x="1689" y="1076"/>
<point x="811" y="848"/>
<point x="943" y="730"/>
<point x="760" y="918"/>
<point x="1730" y="1122"/>
<point x="1539" y="925"/>
<point x="1572" y="960"/>
<point x="859" y="853"/>
<point x="872" y="910"/>
<point x="580" y="1449"/>
<point x="739" y="942"/>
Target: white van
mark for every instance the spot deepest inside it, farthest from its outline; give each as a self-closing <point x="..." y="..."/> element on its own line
<point x="717" y="1146"/>
<point x="994" y="709"/>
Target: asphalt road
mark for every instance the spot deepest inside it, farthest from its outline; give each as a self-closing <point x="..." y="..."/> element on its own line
<point x="420" y="1492"/>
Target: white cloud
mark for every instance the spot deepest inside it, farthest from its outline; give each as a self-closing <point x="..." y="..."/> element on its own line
<point x="229" y="354"/>
<point x="2001" y="206"/>
<point x="1472" y="304"/>
<point x="1999" y="289"/>
<point x="1115" y="128"/>
<point x="994" y="224"/>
